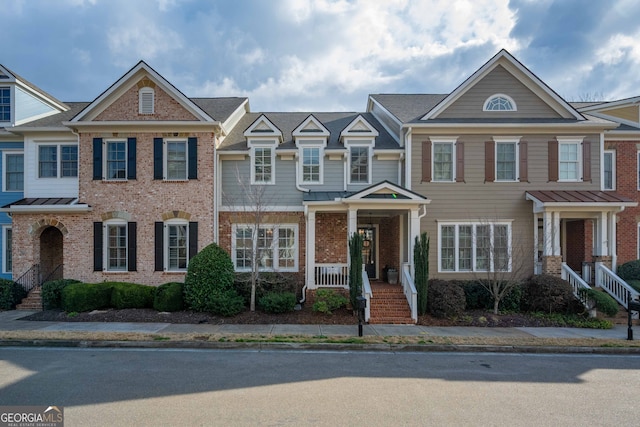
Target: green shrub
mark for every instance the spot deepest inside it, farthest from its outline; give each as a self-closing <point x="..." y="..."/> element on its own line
<point x="224" y="302"/>
<point x="274" y="302"/>
<point x="550" y="294"/>
<point x="80" y="297"/>
<point x="52" y="292"/>
<point x="11" y="294"/>
<point x="629" y="270"/>
<point x="131" y="295"/>
<point x="267" y="282"/>
<point x="169" y="297"/>
<point x="603" y="302"/>
<point x="477" y="297"/>
<point x="328" y="300"/>
<point x="634" y="283"/>
<point x="446" y="299"/>
<point x="209" y="282"/>
<point x="513" y="300"/>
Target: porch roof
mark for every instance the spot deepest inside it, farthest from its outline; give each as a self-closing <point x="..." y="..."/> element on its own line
<point x="45" y="204"/>
<point x="578" y="198"/>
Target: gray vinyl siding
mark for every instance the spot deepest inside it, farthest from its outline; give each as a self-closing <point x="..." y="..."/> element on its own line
<point x="529" y="105"/>
<point x="382" y="170"/>
<point x="333" y="176"/>
<point x="477" y="201"/>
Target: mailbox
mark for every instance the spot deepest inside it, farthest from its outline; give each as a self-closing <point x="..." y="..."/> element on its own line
<point x="633" y="305"/>
<point x="361" y="304"/>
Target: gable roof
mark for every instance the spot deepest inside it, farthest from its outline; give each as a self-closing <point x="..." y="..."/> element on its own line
<point x="625" y="111"/>
<point x="9" y="76"/>
<point x="130" y="78"/>
<point x="519" y="71"/>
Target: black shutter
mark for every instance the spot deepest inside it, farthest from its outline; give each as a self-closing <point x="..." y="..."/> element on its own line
<point x="97" y="158"/>
<point x="193" y="239"/>
<point x="97" y="246"/>
<point x="131" y="248"/>
<point x="159" y="246"/>
<point x="192" y="146"/>
<point x="131" y="158"/>
<point x="157" y="158"/>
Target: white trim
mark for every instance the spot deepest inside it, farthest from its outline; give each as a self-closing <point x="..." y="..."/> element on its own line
<point x="320" y="149"/>
<point x="165" y="159"/>
<point x="6" y="153"/>
<point x="568" y="141"/>
<point x="275" y="248"/>
<point x="165" y="244"/>
<point x="507" y="140"/>
<point x="105" y="158"/>
<point x="299" y="131"/>
<point x="444" y="140"/>
<point x="274" y="208"/>
<point x="509" y="99"/>
<point x="105" y="244"/>
<point x="252" y="152"/>
<point x="146" y="101"/>
<point x="369" y="162"/>
<point x="613" y="169"/>
<point x="5" y="229"/>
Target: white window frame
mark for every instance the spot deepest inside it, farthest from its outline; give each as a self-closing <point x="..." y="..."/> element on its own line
<point x="516" y="143"/>
<point x="578" y="143"/>
<point x="166" y="251"/>
<point x="369" y="163"/>
<point x="5" y="154"/>
<point x="611" y="153"/>
<point x="146" y="100"/>
<point x="165" y="159"/>
<point x="5" y="259"/>
<point x="254" y="147"/>
<point x="275" y="246"/>
<point x="443" y="141"/>
<point x="105" y="159"/>
<point x="456" y="248"/>
<point x="105" y="238"/>
<point x="507" y="98"/>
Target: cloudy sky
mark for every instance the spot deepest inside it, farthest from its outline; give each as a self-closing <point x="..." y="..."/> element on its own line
<point x="325" y="55"/>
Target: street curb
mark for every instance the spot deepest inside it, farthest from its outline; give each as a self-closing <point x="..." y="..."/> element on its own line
<point x="269" y="346"/>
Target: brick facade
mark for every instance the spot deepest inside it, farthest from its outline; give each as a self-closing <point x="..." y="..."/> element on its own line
<point x="331" y="237"/>
<point x="389" y="242"/>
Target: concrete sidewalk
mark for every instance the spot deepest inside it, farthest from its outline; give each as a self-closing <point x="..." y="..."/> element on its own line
<point x="10" y="321"/>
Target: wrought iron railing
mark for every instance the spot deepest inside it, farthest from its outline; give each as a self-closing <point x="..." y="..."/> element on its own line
<point x="54" y="275"/>
<point x="30" y="279"/>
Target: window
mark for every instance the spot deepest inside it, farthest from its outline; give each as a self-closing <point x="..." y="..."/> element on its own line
<point x="116" y="246"/>
<point x="569" y="161"/>
<point x="116" y="160"/>
<point x="475" y="247"/>
<point x="56" y="161"/>
<point x="177" y="244"/>
<point x="48" y="161"/>
<point x="8" y="250"/>
<point x="13" y="171"/>
<point x="443" y="164"/>
<point x="262" y="171"/>
<point x="176" y="160"/>
<point x="609" y="170"/>
<point x="506" y="161"/>
<point x="275" y="247"/>
<point x="359" y="162"/>
<point x="146" y="97"/>
<point x="5" y="104"/>
<point x="311" y="165"/>
<point x="499" y="102"/>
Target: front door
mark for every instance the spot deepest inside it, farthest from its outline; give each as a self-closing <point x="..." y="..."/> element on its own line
<point x="369" y="250"/>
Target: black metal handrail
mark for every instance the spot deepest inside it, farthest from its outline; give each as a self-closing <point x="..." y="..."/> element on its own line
<point x="52" y="275"/>
<point x="30" y="279"/>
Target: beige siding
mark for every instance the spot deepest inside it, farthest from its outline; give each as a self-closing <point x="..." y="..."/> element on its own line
<point x="477" y="201"/>
<point x="471" y="103"/>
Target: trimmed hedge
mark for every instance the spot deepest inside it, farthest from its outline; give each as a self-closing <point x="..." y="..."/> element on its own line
<point x="52" y="293"/>
<point x="634" y="283"/>
<point x="131" y="295"/>
<point x="629" y="270"/>
<point x="603" y="302"/>
<point x="78" y="297"/>
<point x="550" y="294"/>
<point x="445" y="299"/>
<point x="275" y="302"/>
<point x="11" y="294"/>
<point x="169" y="297"/>
<point x="329" y="300"/>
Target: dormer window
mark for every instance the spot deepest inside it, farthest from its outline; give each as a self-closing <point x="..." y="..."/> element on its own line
<point x="499" y="102"/>
<point x="146" y="100"/>
<point x="5" y="104"/>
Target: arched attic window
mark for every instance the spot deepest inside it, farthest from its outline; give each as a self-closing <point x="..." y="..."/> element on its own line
<point x="499" y="102"/>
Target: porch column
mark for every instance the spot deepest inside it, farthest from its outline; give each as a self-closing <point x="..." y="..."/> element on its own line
<point x="602" y="235"/>
<point x="613" y="248"/>
<point x="414" y="231"/>
<point x="352" y="227"/>
<point x="551" y="259"/>
<point x="311" y="250"/>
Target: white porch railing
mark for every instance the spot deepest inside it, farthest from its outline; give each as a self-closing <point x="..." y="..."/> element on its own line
<point x="332" y="275"/>
<point x="577" y="284"/>
<point x="367" y="293"/>
<point x="410" y="291"/>
<point x="615" y="286"/>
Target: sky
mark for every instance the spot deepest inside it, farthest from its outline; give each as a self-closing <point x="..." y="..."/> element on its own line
<point x="324" y="55"/>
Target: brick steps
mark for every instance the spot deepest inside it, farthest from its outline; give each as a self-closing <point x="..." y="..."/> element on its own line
<point x="389" y="305"/>
<point x="33" y="301"/>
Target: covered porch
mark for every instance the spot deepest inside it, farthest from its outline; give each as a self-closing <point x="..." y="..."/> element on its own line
<point x="386" y="216"/>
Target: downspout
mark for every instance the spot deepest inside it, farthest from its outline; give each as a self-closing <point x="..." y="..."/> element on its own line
<point x="407" y="164"/>
<point x="216" y="182"/>
<point x="346" y="170"/>
<point x="304" y="190"/>
<point x="306" y="259"/>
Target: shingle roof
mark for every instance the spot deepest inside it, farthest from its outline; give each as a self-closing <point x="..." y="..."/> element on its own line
<point x="219" y="108"/>
<point x="409" y="107"/>
<point x="56" y="120"/>
<point x="34" y="87"/>
<point x="288" y="122"/>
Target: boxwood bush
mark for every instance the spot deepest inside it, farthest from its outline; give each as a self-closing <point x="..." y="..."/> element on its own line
<point x="550" y="294"/>
<point x="131" y="295"/>
<point x="603" y="302"/>
<point x="52" y="293"/>
<point x="328" y="300"/>
<point x="78" y="297"/>
<point x="629" y="270"/>
<point x="445" y="299"/>
<point x="168" y="297"/>
<point x="11" y="294"/>
<point x="278" y="302"/>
